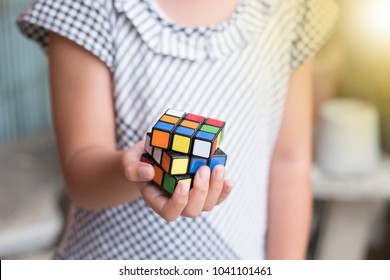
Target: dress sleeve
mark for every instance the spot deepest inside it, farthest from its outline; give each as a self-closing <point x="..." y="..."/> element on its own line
<point x="85" y="22"/>
<point x="314" y="25"/>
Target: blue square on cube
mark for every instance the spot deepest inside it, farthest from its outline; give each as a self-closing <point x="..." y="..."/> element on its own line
<point x="215" y="160"/>
<point x="205" y="135"/>
<point x="164" y="126"/>
<point x="196" y="163"/>
<point x="185" y="131"/>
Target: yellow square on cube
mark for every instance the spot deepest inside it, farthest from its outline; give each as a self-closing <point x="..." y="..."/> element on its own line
<point x="189" y="180"/>
<point x="179" y="166"/>
<point x="181" y="144"/>
<point x="218" y="140"/>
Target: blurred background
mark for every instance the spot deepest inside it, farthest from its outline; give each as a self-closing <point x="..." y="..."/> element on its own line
<point x="351" y="173"/>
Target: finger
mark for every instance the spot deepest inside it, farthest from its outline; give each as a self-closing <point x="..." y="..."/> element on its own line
<point x="176" y="204"/>
<point x="227" y="188"/>
<point x="154" y="197"/>
<point x="198" y="193"/>
<point x="215" y="188"/>
<point x="168" y="208"/>
<point x="134" y="153"/>
<point x="135" y="170"/>
<point x="139" y="172"/>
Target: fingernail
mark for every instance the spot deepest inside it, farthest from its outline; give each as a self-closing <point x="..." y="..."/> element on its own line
<point x="144" y="172"/>
<point x="204" y="173"/>
<point x="185" y="188"/>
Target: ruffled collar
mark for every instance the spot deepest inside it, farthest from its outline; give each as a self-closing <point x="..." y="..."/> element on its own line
<point x="198" y="43"/>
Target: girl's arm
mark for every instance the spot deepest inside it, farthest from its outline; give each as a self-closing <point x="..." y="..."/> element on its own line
<point x="96" y="174"/>
<point x="83" y="115"/>
<point x="290" y="198"/>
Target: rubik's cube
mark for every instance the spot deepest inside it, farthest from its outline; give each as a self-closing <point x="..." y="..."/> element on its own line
<point x="179" y="144"/>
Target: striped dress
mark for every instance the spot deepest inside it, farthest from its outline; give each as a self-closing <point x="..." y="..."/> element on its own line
<point x="237" y="71"/>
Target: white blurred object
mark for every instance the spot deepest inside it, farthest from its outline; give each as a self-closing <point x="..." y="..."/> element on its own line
<point x="353" y="213"/>
<point x="30" y="187"/>
<point x="347" y="137"/>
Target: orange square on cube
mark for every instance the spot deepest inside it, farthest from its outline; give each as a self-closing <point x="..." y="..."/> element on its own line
<point x="160" y="139"/>
<point x="166" y="162"/>
<point x="190" y="124"/>
<point x="169" y="119"/>
<point x="158" y="175"/>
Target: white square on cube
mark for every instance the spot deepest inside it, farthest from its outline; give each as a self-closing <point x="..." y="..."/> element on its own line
<point x="148" y="147"/>
<point x="175" y="113"/>
<point x="201" y="148"/>
<point x="157" y="155"/>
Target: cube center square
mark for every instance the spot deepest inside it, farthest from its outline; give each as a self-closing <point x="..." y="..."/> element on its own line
<point x="190" y="124"/>
<point x="185" y="131"/>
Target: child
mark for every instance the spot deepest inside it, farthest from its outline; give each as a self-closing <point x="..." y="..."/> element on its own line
<point x="116" y="65"/>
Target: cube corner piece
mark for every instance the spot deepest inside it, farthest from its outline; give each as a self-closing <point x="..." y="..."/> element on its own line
<point x="175" y="113"/>
<point x="171" y="181"/>
<point x="145" y="157"/>
<point x="162" y="134"/>
<point x="219" y="158"/>
<point x="148" y="147"/>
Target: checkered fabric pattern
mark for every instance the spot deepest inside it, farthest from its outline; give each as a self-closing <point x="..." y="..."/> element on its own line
<point x="137" y="233"/>
<point x="85" y="22"/>
<point x="315" y="21"/>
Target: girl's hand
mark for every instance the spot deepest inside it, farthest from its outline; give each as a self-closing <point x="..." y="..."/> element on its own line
<point x="208" y="189"/>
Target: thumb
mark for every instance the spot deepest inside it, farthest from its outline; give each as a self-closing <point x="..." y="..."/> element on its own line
<point x="139" y="172"/>
<point x="134" y="169"/>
